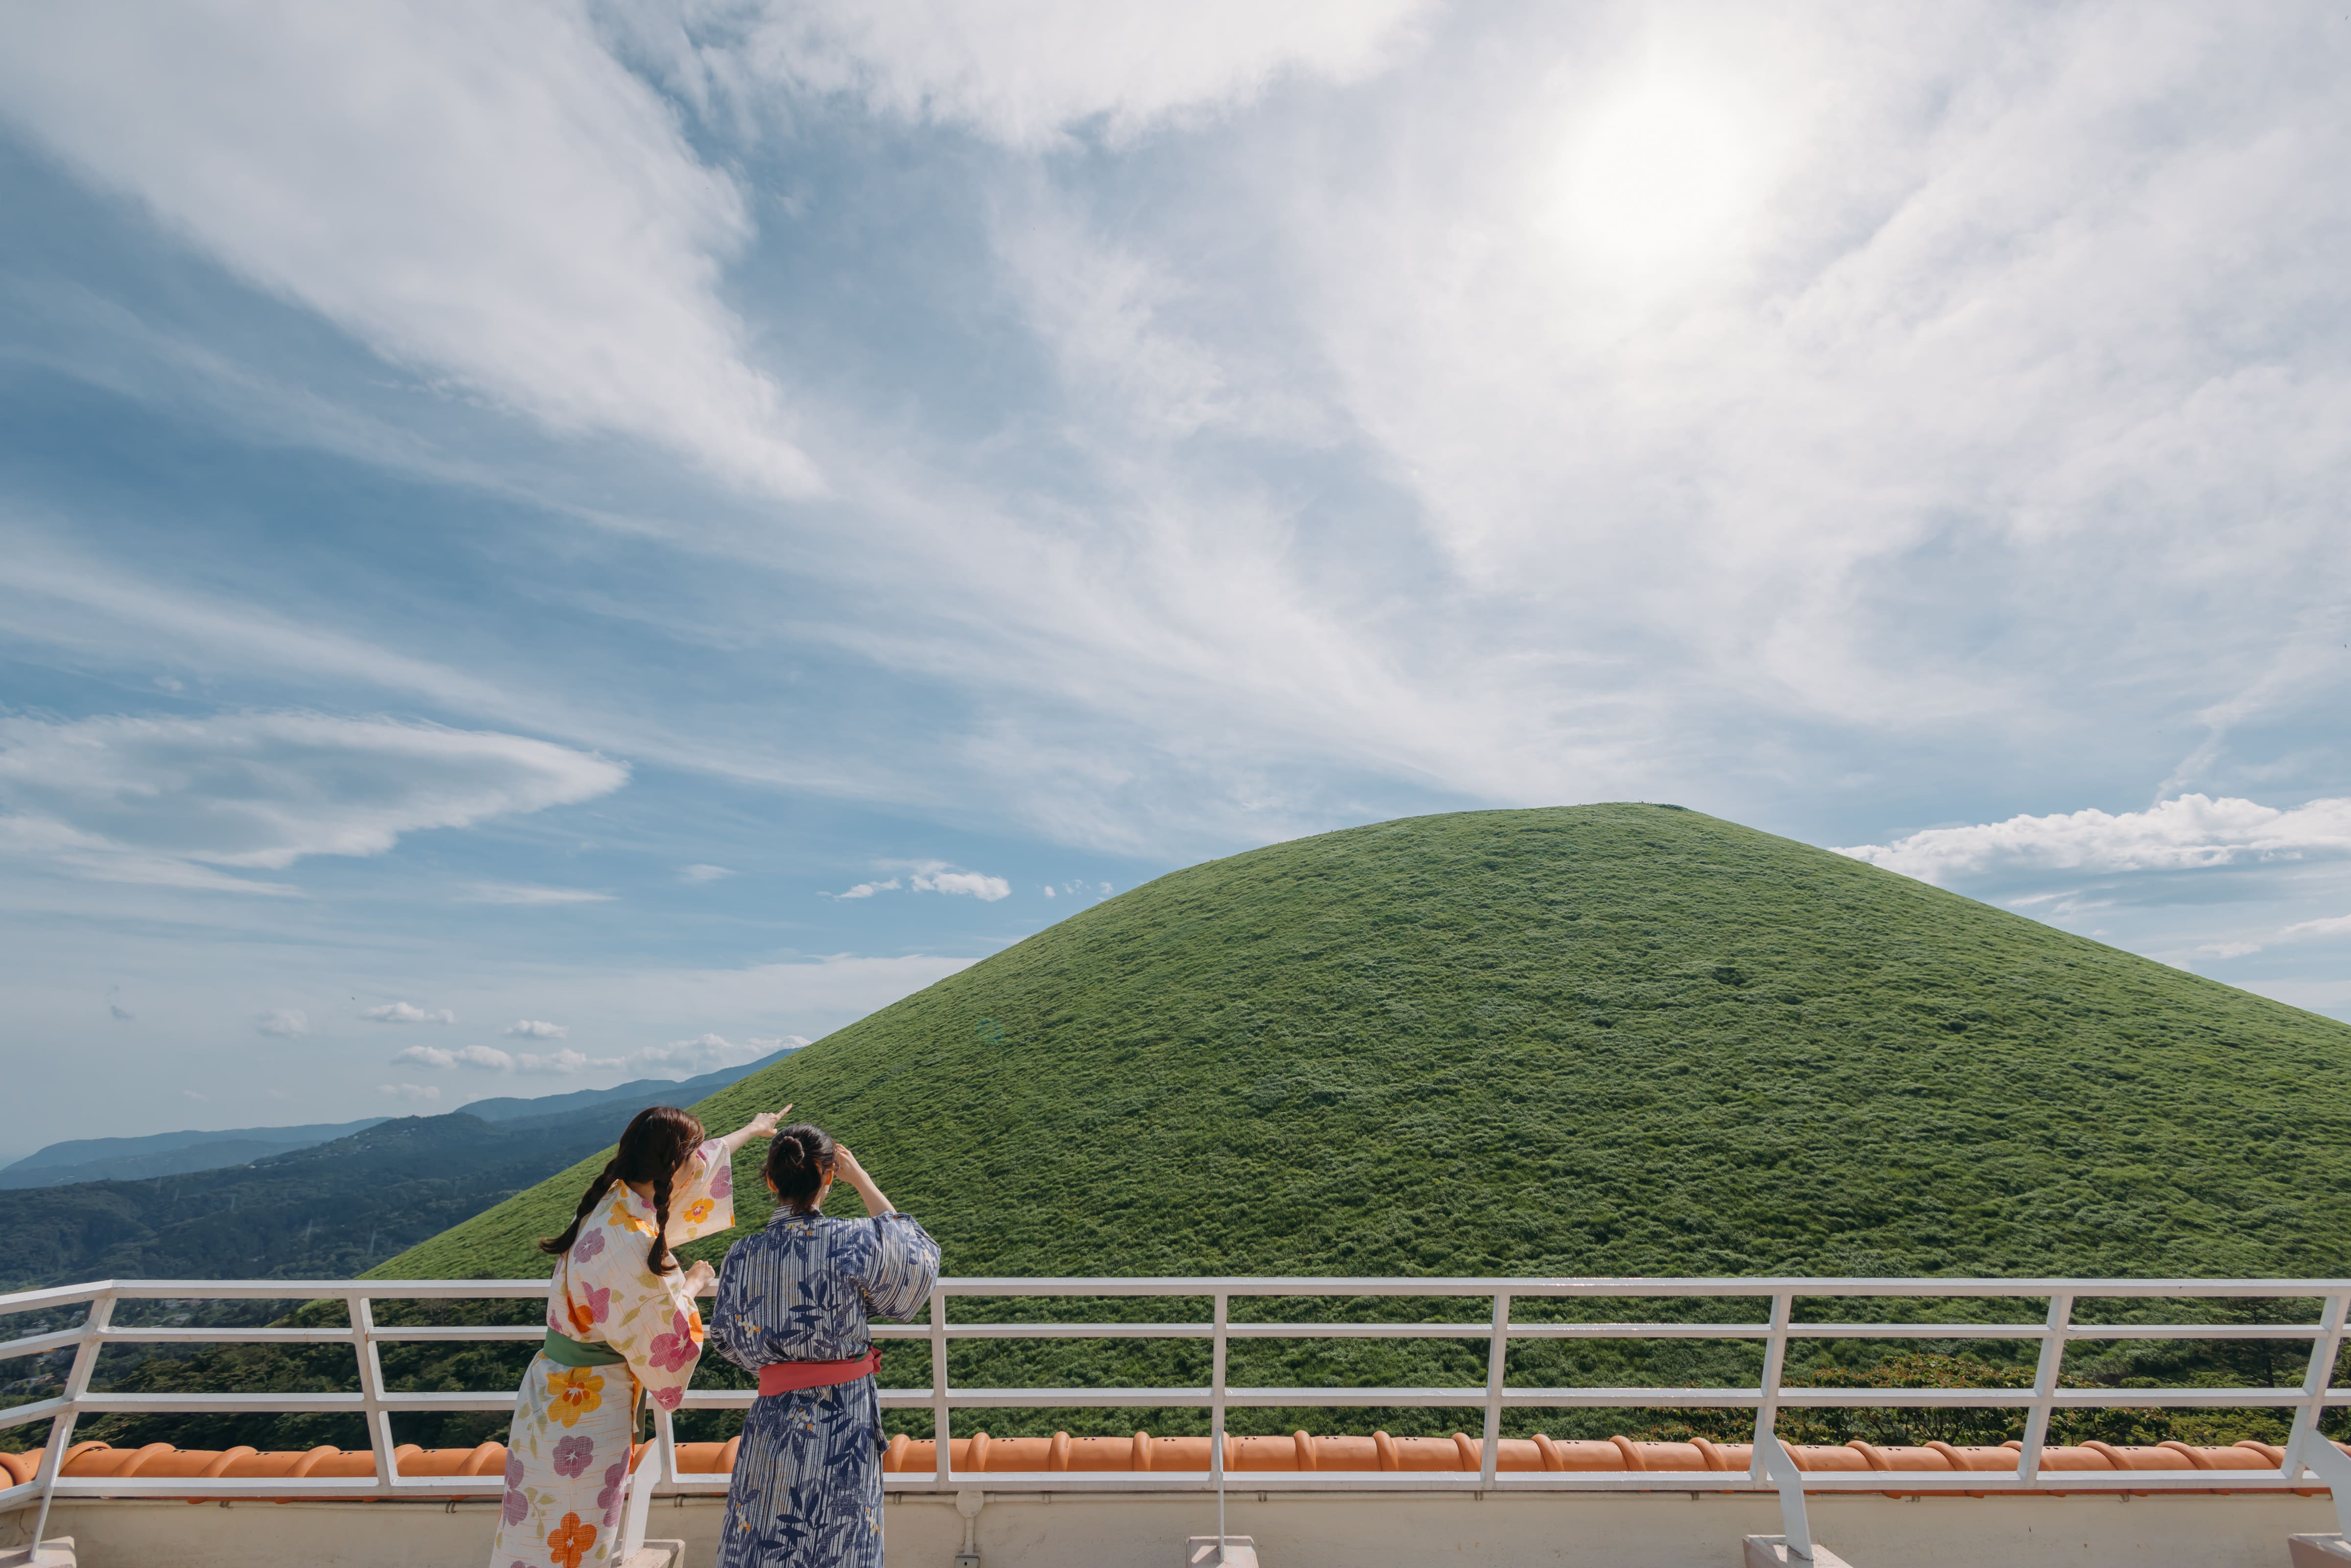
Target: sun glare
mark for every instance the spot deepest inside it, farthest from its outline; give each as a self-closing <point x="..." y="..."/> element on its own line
<point x="1659" y="178"/>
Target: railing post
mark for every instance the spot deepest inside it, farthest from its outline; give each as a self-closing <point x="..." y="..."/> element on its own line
<point x="1775" y="1359"/>
<point x="2044" y="1389"/>
<point x="61" y="1426"/>
<point x="377" y="1416"/>
<point x="939" y="1382"/>
<point x="1216" y="1413"/>
<point x="2324" y="1349"/>
<point x="1498" y="1355"/>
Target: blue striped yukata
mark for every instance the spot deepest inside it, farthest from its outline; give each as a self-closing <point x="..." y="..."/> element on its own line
<point x="806" y="1491"/>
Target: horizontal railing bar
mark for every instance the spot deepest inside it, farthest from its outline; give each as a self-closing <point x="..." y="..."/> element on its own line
<point x="37" y="1343"/>
<point x="110" y="1335"/>
<point x="276" y="1290"/>
<point x="1800" y="1286"/>
<point x="38" y="1410"/>
<point x="54" y="1296"/>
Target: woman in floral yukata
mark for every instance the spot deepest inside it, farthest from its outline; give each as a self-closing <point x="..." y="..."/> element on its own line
<point x="793" y="1303"/>
<point x="620" y="1327"/>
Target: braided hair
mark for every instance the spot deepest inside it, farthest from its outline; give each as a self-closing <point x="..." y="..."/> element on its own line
<point x="658" y="1141"/>
<point x="799" y="1161"/>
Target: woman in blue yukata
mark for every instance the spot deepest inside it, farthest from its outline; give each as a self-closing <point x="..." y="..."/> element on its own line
<point x="793" y="1303"/>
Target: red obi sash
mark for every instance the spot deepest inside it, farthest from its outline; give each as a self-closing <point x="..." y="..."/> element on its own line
<point x="783" y="1376"/>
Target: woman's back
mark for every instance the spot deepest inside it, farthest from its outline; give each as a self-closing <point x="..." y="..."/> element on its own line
<point x="805" y="1287"/>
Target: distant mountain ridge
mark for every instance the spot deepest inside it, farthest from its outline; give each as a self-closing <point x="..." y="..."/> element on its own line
<point x="180" y="1154"/>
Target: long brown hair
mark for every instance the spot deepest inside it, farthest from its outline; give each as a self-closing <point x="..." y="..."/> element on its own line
<point x="657" y="1142"/>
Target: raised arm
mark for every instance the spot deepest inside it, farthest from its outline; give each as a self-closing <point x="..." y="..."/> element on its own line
<point x="845" y="1166"/>
<point x="762" y="1125"/>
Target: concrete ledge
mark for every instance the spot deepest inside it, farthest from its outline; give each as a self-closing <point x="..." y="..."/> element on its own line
<point x="56" y="1551"/>
<point x="2319" y="1550"/>
<point x="1064" y="1530"/>
<point x="657" y="1554"/>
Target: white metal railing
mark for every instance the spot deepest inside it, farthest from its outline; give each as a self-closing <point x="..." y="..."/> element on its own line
<point x="378" y="1406"/>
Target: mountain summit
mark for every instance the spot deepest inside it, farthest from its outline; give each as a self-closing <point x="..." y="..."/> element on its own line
<point x="1609" y="1039"/>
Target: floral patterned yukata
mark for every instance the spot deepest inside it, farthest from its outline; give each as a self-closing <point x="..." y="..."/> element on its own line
<point x="568" y="1454"/>
<point x="806" y="1491"/>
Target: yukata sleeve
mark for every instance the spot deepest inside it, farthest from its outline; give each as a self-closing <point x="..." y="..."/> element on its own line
<point x="703" y="1203"/>
<point x="659" y="1330"/>
<point x="734" y="1328"/>
<point x="898" y="1271"/>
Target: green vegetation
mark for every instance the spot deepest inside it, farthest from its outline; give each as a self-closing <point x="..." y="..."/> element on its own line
<point x="1602" y="1040"/>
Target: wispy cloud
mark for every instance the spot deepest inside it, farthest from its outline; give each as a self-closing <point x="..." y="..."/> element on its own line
<point x="283" y="1023"/>
<point x="535" y="1028"/>
<point x="2191" y="832"/>
<point x="867" y="889"/>
<point x="526" y="893"/>
<point x="337" y="159"/>
<point x="407" y="1012"/>
<point x="414" y="1091"/>
<point x="701" y="874"/>
<point x="182" y="803"/>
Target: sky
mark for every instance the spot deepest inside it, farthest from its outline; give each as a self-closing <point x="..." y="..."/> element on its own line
<point x="550" y="543"/>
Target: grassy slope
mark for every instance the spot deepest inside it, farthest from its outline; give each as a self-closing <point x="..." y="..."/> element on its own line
<point x="1599" y="1040"/>
<point x="1595" y="1040"/>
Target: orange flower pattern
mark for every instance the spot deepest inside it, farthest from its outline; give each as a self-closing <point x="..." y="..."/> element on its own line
<point x="567" y="1542"/>
<point x="603" y="1293"/>
<point x="575" y="1391"/>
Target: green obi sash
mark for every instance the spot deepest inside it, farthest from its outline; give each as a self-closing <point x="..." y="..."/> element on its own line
<point x="571" y="1351"/>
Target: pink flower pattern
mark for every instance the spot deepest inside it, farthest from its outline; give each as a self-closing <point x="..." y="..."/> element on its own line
<point x="572" y="1454"/>
<point x="609" y="1500"/>
<point x="675" y="1349"/>
<point x="591" y="1243"/>
<point x="667" y="1398"/>
<point x="598" y="1302"/>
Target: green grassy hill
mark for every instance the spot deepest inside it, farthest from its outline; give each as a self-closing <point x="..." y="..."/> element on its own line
<point x="1601" y="1039"/>
<point x="1612" y="1039"/>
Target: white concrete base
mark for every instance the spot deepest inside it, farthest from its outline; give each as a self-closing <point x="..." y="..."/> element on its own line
<point x="2319" y="1550"/>
<point x="1462" y="1530"/>
<point x="56" y="1551"/>
<point x="1239" y="1551"/>
<point x="657" y="1554"/>
<point x="1771" y="1551"/>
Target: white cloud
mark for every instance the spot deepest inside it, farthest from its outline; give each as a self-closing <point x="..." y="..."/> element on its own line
<point x="867" y="889"/>
<point x="703" y="1053"/>
<point x="166" y="800"/>
<point x="2187" y="833"/>
<point x="2229" y="949"/>
<point x="192" y="1095"/>
<point x="2333" y="925"/>
<point x="765" y="1044"/>
<point x="972" y="885"/>
<point x="407" y="1012"/>
<point x="557" y="1062"/>
<point x="522" y="893"/>
<point x="536" y="1029"/>
<point x="424" y="1056"/>
<point x="284" y="1023"/>
<point x="409" y="1091"/>
<point x="488" y="1056"/>
<point x="1049" y="889"/>
<point x="1022" y="71"/>
<point x="699" y="874"/>
<point x="480" y="193"/>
